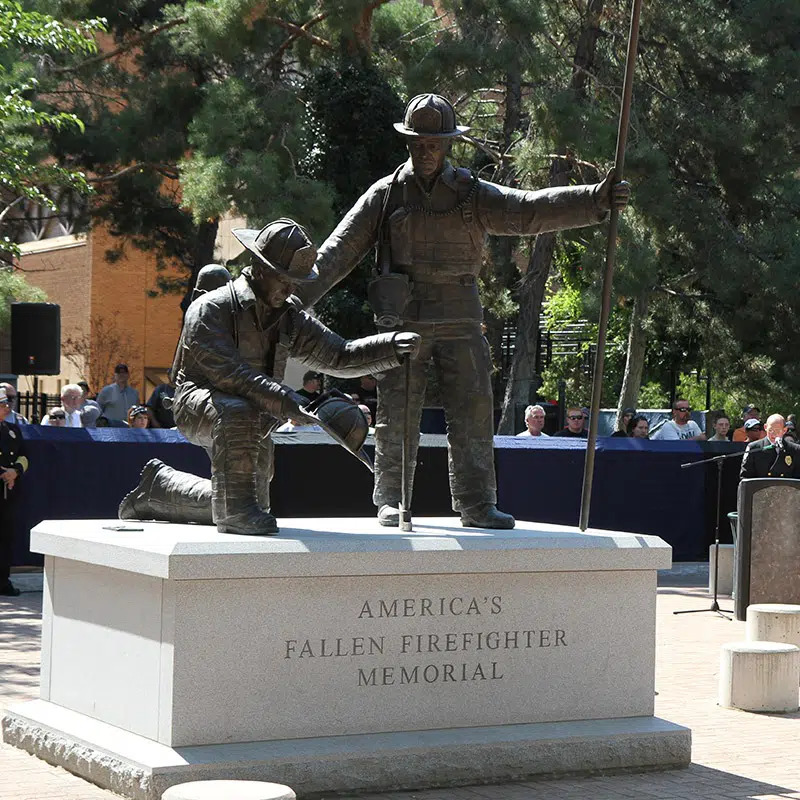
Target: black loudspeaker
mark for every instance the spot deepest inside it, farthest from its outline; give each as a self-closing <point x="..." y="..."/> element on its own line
<point x="35" y="338"/>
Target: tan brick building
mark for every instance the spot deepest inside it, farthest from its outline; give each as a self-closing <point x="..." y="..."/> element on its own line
<point x="108" y="311"/>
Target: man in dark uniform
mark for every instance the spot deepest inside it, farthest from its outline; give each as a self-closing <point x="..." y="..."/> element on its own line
<point x="430" y="221"/>
<point x="777" y="455"/>
<point x="13" y="463"/>
<point x="229" y="398"/>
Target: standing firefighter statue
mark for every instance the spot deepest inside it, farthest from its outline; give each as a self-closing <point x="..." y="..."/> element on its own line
<point x="229" y="398"/>
<point x="429" y="221"/>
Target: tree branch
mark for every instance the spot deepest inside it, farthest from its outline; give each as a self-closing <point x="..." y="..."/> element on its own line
<point x="278" y="54"/>
<point x="123" y="48"/>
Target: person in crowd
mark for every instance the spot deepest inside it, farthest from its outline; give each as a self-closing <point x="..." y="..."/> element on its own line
<point x="575" y="424"/>
<point x="71" y="400"/>
<point x="57" y="418"/>
<point x="89" y="409"/>
<point x="366" y="392"/>
<point x="722" y="426"/>
<point x="13" y="415"/>
<point x="627" y="415"/>
<point x="13" y="464"/>
<point x="160" y="412"/>
<point x="638" y="427"/>
<point x="366" y="411"/>
<point x="138" y="417"/>
<point x="777" y="455"/>
<point x="754" y="430"/>
<point x="116" y="398"/>
<point x="312" y="385"/>
<point x="534" y="422"/>
<point x="749" y="412"/>
<point x="680" y="426"/>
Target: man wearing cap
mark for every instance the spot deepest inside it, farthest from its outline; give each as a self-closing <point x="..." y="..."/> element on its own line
<point x="777" y="455"/>
<point x="13" y="464"/>
<point x="13" y="415"/>
<point x="749" y="412"/>
<point x="233" y="350"/>
<point x="429" y="221"/>
<point x="312" y="386"/>
<point x="116" y="398"/>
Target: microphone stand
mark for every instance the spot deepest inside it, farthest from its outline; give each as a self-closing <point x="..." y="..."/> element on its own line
<point x="719" y="461"/>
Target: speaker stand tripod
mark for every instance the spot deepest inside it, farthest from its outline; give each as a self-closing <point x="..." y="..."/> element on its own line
<point x="719" y="461"/>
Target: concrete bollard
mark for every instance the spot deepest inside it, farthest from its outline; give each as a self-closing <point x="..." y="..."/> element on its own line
<point x="726" y="552"/>
<point x="773" y="622"/>
<point x="228" y="790"/>
<point x="760" y="676"/>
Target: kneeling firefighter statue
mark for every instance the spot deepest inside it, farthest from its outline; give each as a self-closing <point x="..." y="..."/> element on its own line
<point x="229" y="398"/>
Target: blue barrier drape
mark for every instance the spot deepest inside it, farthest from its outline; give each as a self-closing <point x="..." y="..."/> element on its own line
<point x="639" y="486"/>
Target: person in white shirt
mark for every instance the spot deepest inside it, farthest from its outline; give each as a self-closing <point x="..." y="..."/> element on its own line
<point x="680" y="426"/>
<point x="534" y="422"/>
<point x="71" y="401"/>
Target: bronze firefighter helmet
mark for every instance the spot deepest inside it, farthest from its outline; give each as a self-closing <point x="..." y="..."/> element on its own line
<point x="430" y="115"/>
<point x="284" y="247"/>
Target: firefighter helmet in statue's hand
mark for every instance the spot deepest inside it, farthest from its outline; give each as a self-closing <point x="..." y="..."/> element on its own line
<point x="341" y="417"/>
<point x="284" y="248"/>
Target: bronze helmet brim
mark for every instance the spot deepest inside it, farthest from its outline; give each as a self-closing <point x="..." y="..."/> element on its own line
<point x="247" y="236"/>
<point x="360" y="454"/>
<point x="401" y="128"/>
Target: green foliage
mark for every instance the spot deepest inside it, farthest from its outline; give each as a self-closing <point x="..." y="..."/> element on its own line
<point x="24" y="174"/>
<point x="15" y="289"/>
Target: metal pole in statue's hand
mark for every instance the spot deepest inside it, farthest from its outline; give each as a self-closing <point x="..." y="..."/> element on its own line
<point x="405" y="467"/>
<point x="611" y="253"/>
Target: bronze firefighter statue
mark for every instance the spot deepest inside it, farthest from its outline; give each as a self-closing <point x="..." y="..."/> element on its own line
<point x="429" y="221"/>
<point x="229" y="398"/>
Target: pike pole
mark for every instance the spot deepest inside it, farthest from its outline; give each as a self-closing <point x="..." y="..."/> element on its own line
<point x="608" y="276"/>
<point x="405" y="493"/>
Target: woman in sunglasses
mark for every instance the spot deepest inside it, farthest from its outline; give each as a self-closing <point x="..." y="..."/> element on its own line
<point x="57" y="418"/>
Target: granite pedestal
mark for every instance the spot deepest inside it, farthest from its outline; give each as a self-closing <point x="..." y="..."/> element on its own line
<point x="340" y="656"/>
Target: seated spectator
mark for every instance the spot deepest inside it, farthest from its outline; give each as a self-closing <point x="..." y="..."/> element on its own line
<point x="680" y="427"/>
<point x="638" y="427"/>
<point x="627" y="415"/>
<point x="138" y="417"/>
<point x="71" y="400"/>
<point x="312" y="385"/>
<point x="722" y="426"/>
<point x="57" y="418"/>
<point x="365" y="410"/>
<point x="534" y="422"/>
<point x="754" y="430"/>
<point x="160" y="411"/>
<point x="116" y="398"/>
<point x="748" y="412"/>
<point x="13" y="415"/>
<point x="366" y="392"/>
<point x="575" y="424"/>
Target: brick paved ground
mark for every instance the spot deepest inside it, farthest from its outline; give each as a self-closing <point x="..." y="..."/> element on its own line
<point x="736" y="755"/>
